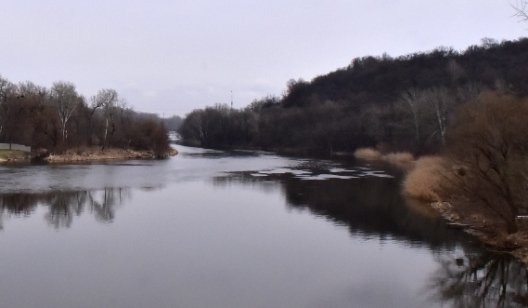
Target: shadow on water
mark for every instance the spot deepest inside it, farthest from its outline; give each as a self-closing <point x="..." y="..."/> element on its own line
<point x="373" y="207"/>
<point x="64" y="206"/>
<point x="369" y="207"/>
<point x="480" y="280"/>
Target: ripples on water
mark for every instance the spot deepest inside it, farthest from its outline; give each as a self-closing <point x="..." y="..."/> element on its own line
<point x="235" y="229"/>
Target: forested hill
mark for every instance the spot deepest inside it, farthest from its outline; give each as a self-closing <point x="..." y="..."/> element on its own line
<point x="403" y="103"/>
<point x="383" y="79"/>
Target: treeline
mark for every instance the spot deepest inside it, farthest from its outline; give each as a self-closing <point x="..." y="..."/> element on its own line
<point x="60" y="118"/>
<point x="403" y="103"/>
<point x="173" y="123"/>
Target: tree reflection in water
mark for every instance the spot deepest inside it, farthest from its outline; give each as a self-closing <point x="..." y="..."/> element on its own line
<point x="368" y="207"/>
<point x="63" y="206"/>
<point x="373" y="207"/>
<point x="481" y="280"/>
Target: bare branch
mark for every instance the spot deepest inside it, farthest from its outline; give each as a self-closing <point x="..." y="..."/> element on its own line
<point x="521" y="10"/>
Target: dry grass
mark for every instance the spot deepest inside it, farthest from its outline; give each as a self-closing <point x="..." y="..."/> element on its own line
<point x="367" y="154"/>
<point x="96" y="154"/>
<point x="403" y="160"/>
<point x="427" y="179"/>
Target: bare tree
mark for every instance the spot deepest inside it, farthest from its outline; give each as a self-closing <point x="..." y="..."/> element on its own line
<point x="103" y="98"/>
<point x="106" y="100"/>
<point x="521" y="9"/>
<point x="442" y="103"/>
<point x="488" y="141"/>
<point x="430" y="110"/>
<point x="6" y="90"/>
<point x="413" y="99"/>
<point x="64" y="96"/>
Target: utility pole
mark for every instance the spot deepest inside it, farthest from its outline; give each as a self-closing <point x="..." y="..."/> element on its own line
<point x="231" y="99"/>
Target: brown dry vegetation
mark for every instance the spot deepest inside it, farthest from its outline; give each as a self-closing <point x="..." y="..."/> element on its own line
<point x="96" y="154"/>
<point x="489" y="141"/>
<point x="402" y="160"/>
<point x="481" y="180"/>
<point x="367" y="154"/>
<point x="427" y="180"/>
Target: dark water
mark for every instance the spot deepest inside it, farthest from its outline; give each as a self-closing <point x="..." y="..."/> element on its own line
<point x="214" y="229"/>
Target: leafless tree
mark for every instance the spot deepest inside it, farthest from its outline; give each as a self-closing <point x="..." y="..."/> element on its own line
<point x="413" y="99"/>
<point x="489" y="142"/>
<point x="106" y="100"/>
<point x="442" y="102"/>
<point x="430" y="109"/>
<point x="6" y="87"/>
<point x="64" y="96"/>
<point x="103" y="99"/>
<point x="521" y="9"/>
<point x="6" y="90"/>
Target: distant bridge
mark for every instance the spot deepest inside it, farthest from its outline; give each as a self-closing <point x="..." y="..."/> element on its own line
<point x="15" y="147"/>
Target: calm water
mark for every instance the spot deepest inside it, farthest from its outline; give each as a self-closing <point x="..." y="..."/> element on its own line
<point x="215" y="229"/>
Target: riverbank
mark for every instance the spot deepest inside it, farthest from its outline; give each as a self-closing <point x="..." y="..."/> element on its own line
<point x="430" y="179"/>
<point x="488" y="231"/>
<point x="97" y="154"/>
<point x="12" y="156"/>
<point x="433" y="179"/>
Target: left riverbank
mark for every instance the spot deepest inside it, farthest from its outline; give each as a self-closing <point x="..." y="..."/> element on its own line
<point x="13" y="156"/>
<point x="84" y="155"/>
<point x="98" y="154"/>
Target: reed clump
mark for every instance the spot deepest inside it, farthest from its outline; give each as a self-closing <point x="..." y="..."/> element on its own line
<point x="403" y="160"/>
<point x="367" y="154"/>
<point x="427" y="180"/>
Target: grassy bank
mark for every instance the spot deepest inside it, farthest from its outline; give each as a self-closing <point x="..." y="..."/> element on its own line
<point x="11" y="156"/>
<point x="97" y="154"/>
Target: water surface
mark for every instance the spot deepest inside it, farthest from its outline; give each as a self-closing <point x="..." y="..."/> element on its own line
<point x="234" y="229"/>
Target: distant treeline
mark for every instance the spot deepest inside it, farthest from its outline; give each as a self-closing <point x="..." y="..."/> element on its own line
<point x="403" y="103"/>
<point x="173" y="123"/>
<point x="60" y="118"/>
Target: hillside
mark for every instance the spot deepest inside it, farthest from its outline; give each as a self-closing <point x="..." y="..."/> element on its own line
<point x="403" y="103"/>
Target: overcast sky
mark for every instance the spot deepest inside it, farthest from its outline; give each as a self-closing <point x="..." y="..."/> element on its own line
<point x="170" y="57"/>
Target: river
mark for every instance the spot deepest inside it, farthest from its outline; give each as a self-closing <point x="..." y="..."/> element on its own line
<point x="235" y="229"/>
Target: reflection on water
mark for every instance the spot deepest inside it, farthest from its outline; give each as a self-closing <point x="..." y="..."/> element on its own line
<point x="243" y="229"/>
<point x="63" y="206"/>
<point x="370" y="207"/>
<point x="480" y="280"/>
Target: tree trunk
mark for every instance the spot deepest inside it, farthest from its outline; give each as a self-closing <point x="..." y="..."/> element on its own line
<point x="105" y="134"/>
